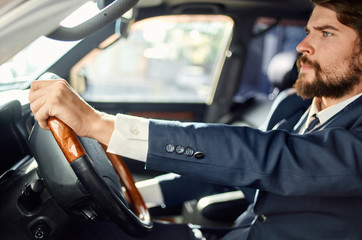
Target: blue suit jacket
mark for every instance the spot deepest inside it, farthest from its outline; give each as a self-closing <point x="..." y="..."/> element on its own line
<point x="310" y="185"/>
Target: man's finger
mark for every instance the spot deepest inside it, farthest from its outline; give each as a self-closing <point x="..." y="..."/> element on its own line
<point x="43" y="124"/>
<point x="42" y="116"/>
<point x="36" y="104"/>
<point x="40" y="84"/>
<point x="34" y="95"/>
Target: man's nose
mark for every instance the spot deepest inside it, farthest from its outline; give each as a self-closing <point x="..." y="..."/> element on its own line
<point x="305" y="47"/>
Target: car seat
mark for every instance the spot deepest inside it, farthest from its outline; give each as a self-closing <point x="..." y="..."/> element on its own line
<point x="282" y="73"/>
<point x="282" y="70"/>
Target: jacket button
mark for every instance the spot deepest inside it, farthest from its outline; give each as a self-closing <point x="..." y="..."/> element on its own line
<point x="180" y="149"/>
<point x="189" y="152"/>
<point x="199" y="155"/>
<point x="170" y="148"/>
<point x="262" y="218"/>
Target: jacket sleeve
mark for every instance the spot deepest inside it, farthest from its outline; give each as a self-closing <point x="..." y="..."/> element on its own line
<point x="321" y="163"/>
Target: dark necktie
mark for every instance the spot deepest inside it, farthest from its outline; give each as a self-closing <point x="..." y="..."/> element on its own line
<point x="314" y="120"/>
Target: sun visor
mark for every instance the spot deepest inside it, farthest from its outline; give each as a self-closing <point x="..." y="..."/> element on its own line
<point x="25" y="21"/>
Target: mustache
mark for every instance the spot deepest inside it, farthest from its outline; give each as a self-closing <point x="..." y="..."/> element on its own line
<point x="306" y="61"/>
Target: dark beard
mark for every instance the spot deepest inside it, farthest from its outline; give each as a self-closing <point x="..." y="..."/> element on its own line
<point x="328" y="84"/>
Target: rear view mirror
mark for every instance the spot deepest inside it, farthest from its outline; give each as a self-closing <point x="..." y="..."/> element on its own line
<point x="107" y="15"/>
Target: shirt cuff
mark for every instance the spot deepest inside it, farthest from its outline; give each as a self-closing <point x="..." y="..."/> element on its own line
<point x="130" y="137"/>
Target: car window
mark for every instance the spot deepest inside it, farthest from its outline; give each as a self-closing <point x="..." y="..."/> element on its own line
<point x="163" y="59"/>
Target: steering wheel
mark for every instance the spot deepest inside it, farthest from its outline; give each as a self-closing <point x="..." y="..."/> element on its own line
<point x="136" y="222"/>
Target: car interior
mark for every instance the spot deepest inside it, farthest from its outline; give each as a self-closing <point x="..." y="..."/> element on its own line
<point x="193" y="61"/>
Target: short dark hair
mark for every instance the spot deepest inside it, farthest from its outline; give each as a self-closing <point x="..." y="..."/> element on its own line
<point x="349" y="13"/>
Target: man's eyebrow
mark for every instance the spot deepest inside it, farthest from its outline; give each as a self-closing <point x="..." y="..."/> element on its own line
<point x="322" y="28"/>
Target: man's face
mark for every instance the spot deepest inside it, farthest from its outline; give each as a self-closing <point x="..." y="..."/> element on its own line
<point x="330" y="62"/>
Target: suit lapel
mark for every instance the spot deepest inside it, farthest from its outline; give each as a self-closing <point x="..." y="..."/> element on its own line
<point x="288" y="113"/>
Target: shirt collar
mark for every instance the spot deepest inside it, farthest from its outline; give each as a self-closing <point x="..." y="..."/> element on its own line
<point x="327" y="113"/>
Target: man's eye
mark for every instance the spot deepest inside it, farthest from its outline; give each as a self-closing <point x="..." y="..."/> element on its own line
<point x="327" y="34"/>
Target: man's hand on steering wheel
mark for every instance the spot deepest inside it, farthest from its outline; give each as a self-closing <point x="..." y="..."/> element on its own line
<point x="56" y="106"/>
<point x="56" y="98"/>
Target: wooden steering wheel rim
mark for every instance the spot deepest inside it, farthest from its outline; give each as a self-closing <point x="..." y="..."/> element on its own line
<point x="73" y="149"/>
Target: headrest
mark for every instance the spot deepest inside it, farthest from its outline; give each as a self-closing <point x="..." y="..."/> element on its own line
<point x="282" y="70"/>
